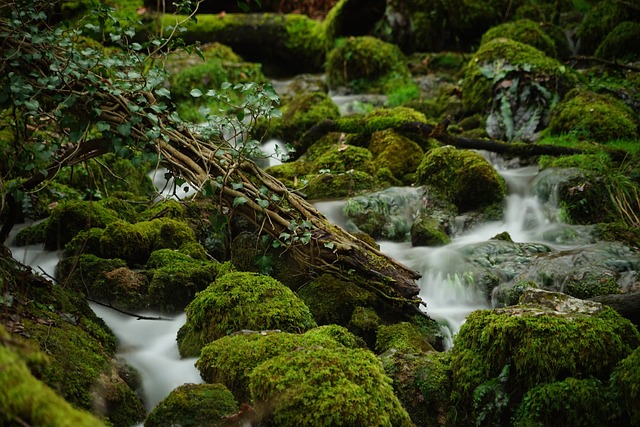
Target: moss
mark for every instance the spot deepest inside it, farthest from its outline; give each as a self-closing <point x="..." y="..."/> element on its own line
<point x="163" y="209"/>
<point x="25" y="400"/>
<point x="404" y="337"/>
<point x="618" y="232"/>
<point x="463" y="177"/>
<point x="524" y="31"/>
<point x="621" y="43"/>
<point x="121" y="288"/>
<point x="571" y="402"/>
<point x="82" y="272"/>
<point x="174" y="285"/>
<point x="84" y="242"/>
<point x="344" y="158"/>
<point x="332" y="300"/>
<point x="300" y="114"/>
<point x="231" y="359"/>
<point x="326" y="386"/>
<point x="536" y="344"/>
<point x="366" y="65"/>
<point x="364" y="323"/>
<point x="625" y="383"/>
<point x="397" y="153"/>
<point x="497" y="58"/>
<point x="384" y="118"/>
<point x="588" y="284"/>
<point x="337" y="185"/>
<point x="194" y="405"/>
<point x="167" y="258"/>
<point x="238" y="301"/>
<point x="428" y="231"/>
<point x="601" y="20"/>
<point x="68" y="219"/>
<point x="31" y="235"/>
<point x="592" y="115"/>
<point x="422" y="382"/>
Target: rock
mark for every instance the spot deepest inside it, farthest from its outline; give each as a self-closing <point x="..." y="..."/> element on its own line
<point x="427" y="231"/>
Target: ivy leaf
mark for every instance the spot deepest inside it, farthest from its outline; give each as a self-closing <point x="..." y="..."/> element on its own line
<point x="240" y="200"/>
<point x="163" y="91"/>
<point x="124" y="129"/>
<point x="103" y="126"/>
<point x="196" y="93"/>
<point x="262" y="203"/>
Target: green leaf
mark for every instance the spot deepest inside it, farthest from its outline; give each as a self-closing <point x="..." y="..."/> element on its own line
<point x="196" y="93"/>
<point x="124" y="129"/>
<point x="103" y="126"/>
<point x="262" y="203"/>
<point x="240" y="200"/>
<point x="163" y="92"/>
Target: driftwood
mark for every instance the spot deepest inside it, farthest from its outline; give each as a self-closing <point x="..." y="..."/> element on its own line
<point x="628" y="304"/>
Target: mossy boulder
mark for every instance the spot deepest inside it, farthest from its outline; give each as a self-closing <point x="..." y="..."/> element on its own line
<point x="491" y="76"/>
<point x="231" y="359"/>
<point x="326" y="386"/>
<point x="463" y="177"/>
<point x="595" y="116"/>
<point x="332" y="300"/>
<point x="194" y="405"/>
<point x="385" y="214"/>
<point x="601" y="20"/>
<point x="524" y="31"/>
<point x="400" y="155"/>
<point x="68" y="219"/>
<point x="621" y="43"/>
<point x="570" y="402"/>
<point x="405" y="337"/>
<point x="384" y="118"/>
<point x="338" y="184"/>
<point x="239" y="301"/>
<point x="547" y="338"/>
<point x="422" y="383"/>
<point x="428" y="231"/>
<point x="366" y="64"/>
<point x="122" y="288"/>
<point x="26" y="400"/>
<point x="625" y="382"/>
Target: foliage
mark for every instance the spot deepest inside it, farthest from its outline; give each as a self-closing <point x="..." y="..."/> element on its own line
<point x="326" y="386"/>
<point x="625" y="383"/>
<point x="601" y="20"/>
<point x="194" y="405"/>
<point x="238" y="301"/>
<point x="621" y="43"/>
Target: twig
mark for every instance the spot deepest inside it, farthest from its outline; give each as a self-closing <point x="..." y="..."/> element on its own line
<point x="128" y="313"/>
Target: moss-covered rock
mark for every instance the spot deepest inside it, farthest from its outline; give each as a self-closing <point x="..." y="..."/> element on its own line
<point x="194" y="405"/>
<point x="524" y="31"/>
<point x="570" y="402"/>
<point x="422" y="383"/>
<point x="595" y="116"/>
<point x="332" y="300"/>
<point x="545" y="339"/>
<point x="625" y="383"/>
<point x="404" y="337"/>
<point x="326" y="386"/>
<point x="601" y="20"/>
<point x="239" y="301"/>
<point x="367" y="65"/>
<point x="384" y="118"/>
<point x="338" y="184"/>
<point x="428" y="231"/>
<point x="621" y="43"/>
<point x="588" y="282"/>
<point x="491" y="76"/>
<point x="464" y="177"/>
<point x="231" y="359"/>
<point x="68" y="219"/>
<point x="397" y="153"/>
<point x="175" y="284"/>
<point x="26" y="400"/>
<point x="122" y="288"/>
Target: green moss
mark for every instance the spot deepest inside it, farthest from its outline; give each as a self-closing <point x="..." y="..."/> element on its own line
<point x="404" y="337"/>
<point x="68" y="219"/>
<point x="174" y="285"/>
<point x="332" y="300"/>
<point x="238" y="301"/>
<point x="163" y="209"/>
<point x="326" y="386"/>
<point x="194" y="405"/>
<point x="601" y="20"/>
<point x="384" y="118"/>
<point x="571" y="402"/>
<point x="231" y="359"/>
<point x="364" y="323"/>
<point x="497" y="58"/>
<point x="463" y="177"/>
<point x="395" y="152"/>
<point x="31" y="235"/>
<point x="167" y="258"/>
<point x="588" y="284"/>
<point x="625" y="383"/>
<point x="524" y="31"/>
<point x="367" y="65"/>
<point x="592" y="115"/>
<point x="427" y="231"/>
<point x="422" y="382"/>
<point x="536" y="346"/>
<point x="621" y="43"/>
<point x="344" y="158"/>
<point x="26" y="400"/>
<point x="337" y="185"/>
<point x="618" y="232"/>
